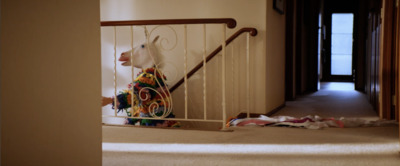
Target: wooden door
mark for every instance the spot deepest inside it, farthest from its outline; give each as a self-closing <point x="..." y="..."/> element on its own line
<point x="397" y="58"/>
<point x="373" y="58"/>
<point x="388" y="58"/>
<point x="397" y="54"/>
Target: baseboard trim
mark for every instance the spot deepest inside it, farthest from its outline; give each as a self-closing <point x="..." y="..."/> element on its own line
<point x="277" y="109"/>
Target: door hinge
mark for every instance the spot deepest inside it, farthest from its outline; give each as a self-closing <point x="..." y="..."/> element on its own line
<point x="394" y="100"/>
<point x="397" y="3"/>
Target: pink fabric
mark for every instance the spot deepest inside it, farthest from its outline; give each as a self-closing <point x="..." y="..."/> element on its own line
<point x="309" y="122"/>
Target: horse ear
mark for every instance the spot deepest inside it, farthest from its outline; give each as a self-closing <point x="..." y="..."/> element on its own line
<point x="155" y="39"/>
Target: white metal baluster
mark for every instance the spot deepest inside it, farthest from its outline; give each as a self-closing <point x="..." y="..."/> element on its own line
<point x="238" y="80"/>
<point x="223" y="77"/>
<point x="115" y="72"/>
<point x="248" y="74"/>
<point x="232" y="77"/>
<point x="185" y="70"/>
<point x="204" y="71"/>
<point x="133" y="73"/>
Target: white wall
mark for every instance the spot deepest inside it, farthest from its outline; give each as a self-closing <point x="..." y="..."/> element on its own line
<point x="50" y="83"/>
<point x="275" y="58"/>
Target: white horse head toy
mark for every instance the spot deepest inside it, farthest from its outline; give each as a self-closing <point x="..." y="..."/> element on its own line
<point x="145" y="55"/>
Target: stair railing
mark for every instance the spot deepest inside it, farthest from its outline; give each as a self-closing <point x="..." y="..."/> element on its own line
<point x="225" y="23"/>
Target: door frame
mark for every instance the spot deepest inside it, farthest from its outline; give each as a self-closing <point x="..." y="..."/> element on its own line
<point x="397" y="55"/>
<point x="387" y="69"/>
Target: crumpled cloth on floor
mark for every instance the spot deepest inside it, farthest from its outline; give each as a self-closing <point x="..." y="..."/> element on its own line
<point x="308" y="122"/>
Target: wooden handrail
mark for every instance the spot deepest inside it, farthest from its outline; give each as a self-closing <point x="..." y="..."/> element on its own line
<point x="230" y="22"/>
<point x="252" y="31"/>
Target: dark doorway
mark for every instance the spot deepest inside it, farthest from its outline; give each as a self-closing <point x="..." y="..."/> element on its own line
<point x="309" y="55"/>
<point x="337" y="61"/>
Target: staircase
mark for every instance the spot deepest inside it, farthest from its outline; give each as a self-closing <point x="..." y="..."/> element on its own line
<point x="214" y="83"/>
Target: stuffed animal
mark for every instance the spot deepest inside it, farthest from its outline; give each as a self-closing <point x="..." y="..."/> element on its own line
<point x="151" y="94"/>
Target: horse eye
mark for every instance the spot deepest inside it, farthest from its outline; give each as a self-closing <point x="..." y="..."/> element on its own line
<point x="142" y="46"/>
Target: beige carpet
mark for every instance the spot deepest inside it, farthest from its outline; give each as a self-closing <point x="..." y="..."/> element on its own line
<point x="332" y="100"/>
<point x="263" y="145"/>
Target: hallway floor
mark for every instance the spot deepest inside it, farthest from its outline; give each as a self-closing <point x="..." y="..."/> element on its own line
<point x="264" y="145"/>
<point x="334" y="99"/>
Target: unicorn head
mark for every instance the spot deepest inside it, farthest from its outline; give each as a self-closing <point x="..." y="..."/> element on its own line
<point x="145" y="55"/>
